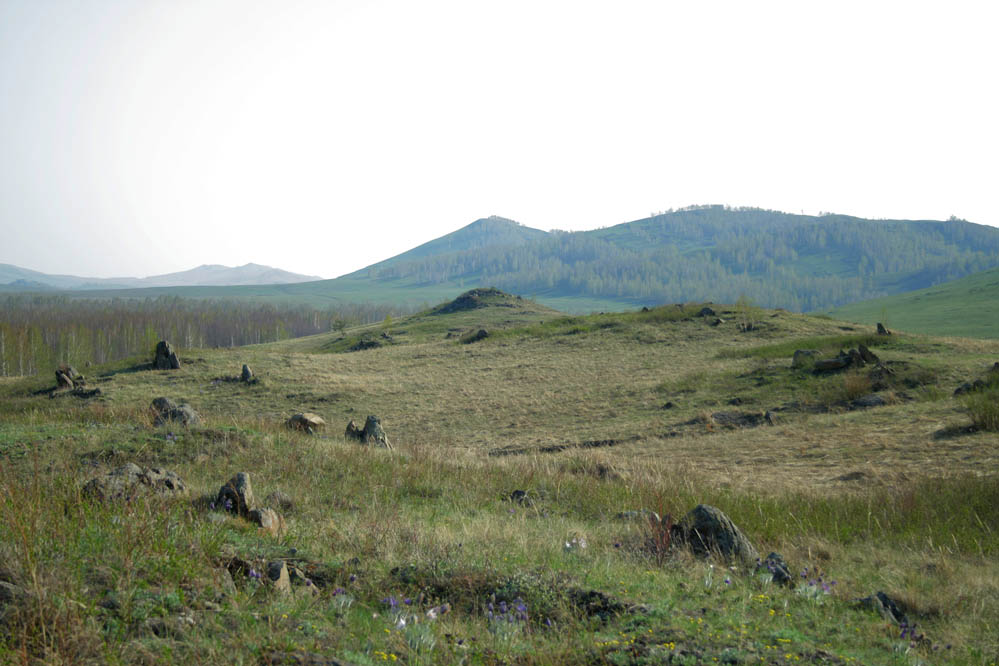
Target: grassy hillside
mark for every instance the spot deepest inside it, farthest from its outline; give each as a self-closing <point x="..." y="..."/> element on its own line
<point x="797" y="262"/>
<point x="424" y="554"/>
<point x="968" y="307"/>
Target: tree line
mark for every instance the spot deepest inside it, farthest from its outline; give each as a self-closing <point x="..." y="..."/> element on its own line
<point x="37" y="332"/>
<point x="798" y="262"/>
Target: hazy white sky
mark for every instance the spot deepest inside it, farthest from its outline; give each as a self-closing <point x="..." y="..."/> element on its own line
<point x="146" y="137"/>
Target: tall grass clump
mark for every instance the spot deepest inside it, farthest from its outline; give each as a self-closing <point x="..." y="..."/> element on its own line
<point x="983" y="408"/>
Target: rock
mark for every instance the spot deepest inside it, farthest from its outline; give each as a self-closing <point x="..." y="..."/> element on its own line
<point x="268" y="520"/>
<point x="968" y="387"/>
<point x="236" y="496"/>
<point x="277" y="574"/>
<point x="166" y="410"/>
<point x="281" y="500"/>
<point x="165" y="358"/>
<point x="130" y="481"/>
<point x="70" y="372"/>
<point x="63" y="382"/>
<point x="885" y="605"/>
<point x="867" y="354"/>
<point x="481" y="334"/>
<point x="306" y="422"/>
<point x="718" y="321"/>
<point x="247" y="374"/>
<point x="706" y="312"/>
<point x="836" y="363"/>
<point x="770" y="417"/>
<point x="669" y="405"/>
<point x="882" y="330"/>
<point x="372" y="433"/>
<point x="521" y="497"/>
<point x="775" y="565"/>
<point x="803" y="358"/>
<point x="871" y="400"/>
<point x="707" y="530"/>
<point x="738" y="419"/>
<point x="299" y="658"/>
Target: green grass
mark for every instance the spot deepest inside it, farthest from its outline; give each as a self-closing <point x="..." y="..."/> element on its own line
<point x="901" y="498"/>
<point x="968" y="307"/>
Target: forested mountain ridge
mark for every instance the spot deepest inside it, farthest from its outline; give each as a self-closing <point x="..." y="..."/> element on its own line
<point x="799" y="262"/>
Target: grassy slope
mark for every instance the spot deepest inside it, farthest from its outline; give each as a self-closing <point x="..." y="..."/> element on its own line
<point x="891" y="498"/>
<point x="967" y="307"/>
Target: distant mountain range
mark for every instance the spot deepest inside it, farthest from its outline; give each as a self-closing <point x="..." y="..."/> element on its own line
<point x="700" y="253"/>
<point x="13" y="278"/>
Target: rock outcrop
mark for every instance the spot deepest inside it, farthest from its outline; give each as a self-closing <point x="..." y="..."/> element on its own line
<point x="166" y="411"/>
<point x="130" y="481"/>
<point x="166" y="357"/>
<point x="707" y="530"/>
<point x="307" y="422"/>
<point x="372" y="433"/>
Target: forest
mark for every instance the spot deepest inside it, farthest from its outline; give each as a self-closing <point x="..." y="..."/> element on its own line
<point x="797" y="262"/>
<point x="38" y="332"/>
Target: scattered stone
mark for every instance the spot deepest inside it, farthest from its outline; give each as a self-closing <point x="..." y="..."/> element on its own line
<point x="707" y="530"/>
<point x="882" y="330"/>
<point x="738" y="419"/>
<point x="886" y="606"/>
<point x="669" y="405"/>
<point x="166" y="410"/>
<point x="63" y="382"/>
<point x="775" y="565"/>
<point x="71" y="372"/>
<point x="372" y="433"/>
<point x="803" y="358"/>
<point x="968" y="387"/>
<point x="718" y="321"/>
<point x="306" y="422"/>
<point x="871" y="400"/>
<point x="277" y="574"/>
<point x="130" y="481"/>
<point x="867" y="354"/>
<point x="268" y="520"/>
<point x="281" y="500"/>
<point x="770" y="417"/>
<point x="851" y="476"/>
<point x="521" y="497"/>
<point x="735" y="401"/>
<point x="165" y="358"/>
<point x="706" y="312"/>
<point x="236" y="496"/>
<point x="247" y="374"/>
<point x="481" y="334"/>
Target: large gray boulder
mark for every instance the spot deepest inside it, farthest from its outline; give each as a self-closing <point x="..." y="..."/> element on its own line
<point x="166" y="411"/>
<point x="707" y="531"/>
<point x="306" y="422"/>
<point x="130" y="481"/>
<point x="166" y="357"/>
<point x="247" y="374"/>
<point x="236" y="496"/>
<point x="372" y="433"/>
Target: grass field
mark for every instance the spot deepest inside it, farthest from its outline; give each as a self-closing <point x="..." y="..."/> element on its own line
<point x="597" y="418"/>
<point x="967" y="307"/>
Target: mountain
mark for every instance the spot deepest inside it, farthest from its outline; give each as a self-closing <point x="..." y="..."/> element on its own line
<point x="968" y="307"/>
<point x="14" y="278"/>
<point x="700" y="253"/>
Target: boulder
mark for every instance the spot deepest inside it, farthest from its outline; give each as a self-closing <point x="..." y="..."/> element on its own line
<point x="835" y="363"/>
<point x="277" y="574"/>
<point x="63" y="381"/>
<point x="372" y="433"/>
<point x="166" y="357"/>
<point x="247" y="374"/>
<point x="707" y="530"/>
<point x="268" y="520"/>
<point x="870" y="400"/>
<point x="481" y="334"/>
<point x="706" y="312"/>
<point x="70" y="372"/>
<point x="166" y="410"/>
<point x="775" y="565"/>
<point x="867" y="354"/>
<point x="306" y="422"/>
<point x="130" y="481"/>
<point x="803" y="358"/>
<point x="882" y="330"/>
<point x="236" y="496"/>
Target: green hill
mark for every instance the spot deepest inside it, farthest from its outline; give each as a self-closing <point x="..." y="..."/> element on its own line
<point x="968" y="307"/>
<point x="797" y="262"/>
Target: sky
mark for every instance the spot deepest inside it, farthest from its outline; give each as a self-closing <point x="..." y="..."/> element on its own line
<point x="141" y="138"/>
